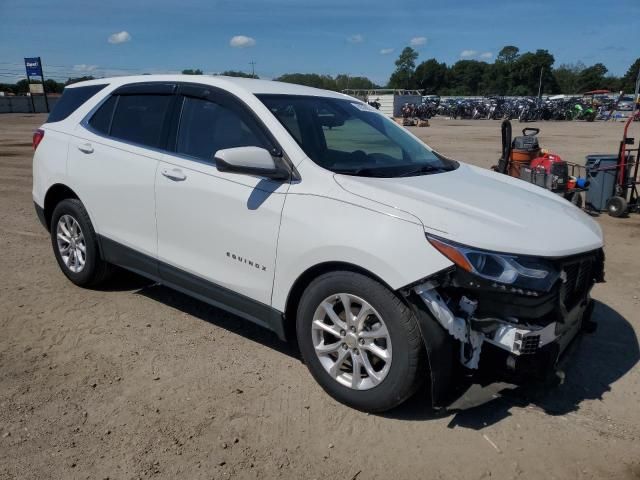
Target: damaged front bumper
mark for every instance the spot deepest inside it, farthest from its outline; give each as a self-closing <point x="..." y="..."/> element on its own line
<point x="530" y="330"/>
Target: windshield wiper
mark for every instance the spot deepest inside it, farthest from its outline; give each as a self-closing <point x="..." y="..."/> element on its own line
<point x="424" y="169"/>
<point x="389" y="172"/>
<point x="365" y="172"/>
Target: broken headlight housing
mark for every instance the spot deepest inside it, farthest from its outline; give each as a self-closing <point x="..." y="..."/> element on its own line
<point x="517" y="271"/>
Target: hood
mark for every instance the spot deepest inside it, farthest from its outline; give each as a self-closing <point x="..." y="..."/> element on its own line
<point x="485" y="209"/>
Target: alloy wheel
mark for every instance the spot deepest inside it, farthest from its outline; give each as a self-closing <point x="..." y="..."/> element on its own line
<point x="351" y="341"/>
<point x="71" y="243"/>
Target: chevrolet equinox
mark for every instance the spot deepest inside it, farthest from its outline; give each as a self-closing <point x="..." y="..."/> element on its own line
<point x="312" y="214"/>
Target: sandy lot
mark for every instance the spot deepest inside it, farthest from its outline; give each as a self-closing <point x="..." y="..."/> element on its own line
<point x="137" y="381"/>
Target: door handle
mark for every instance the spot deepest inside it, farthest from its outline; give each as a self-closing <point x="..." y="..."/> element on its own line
<point x="85" y="148"/>
<point x="174" y="174"/>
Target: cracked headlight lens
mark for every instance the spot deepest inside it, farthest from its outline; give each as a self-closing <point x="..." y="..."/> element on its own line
<point x="503" y="268"/>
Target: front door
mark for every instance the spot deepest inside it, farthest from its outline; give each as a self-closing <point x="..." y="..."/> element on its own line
<point x="217" y="232"/>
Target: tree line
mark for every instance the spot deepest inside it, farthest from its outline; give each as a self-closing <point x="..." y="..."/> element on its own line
<point x="512" y="73"/>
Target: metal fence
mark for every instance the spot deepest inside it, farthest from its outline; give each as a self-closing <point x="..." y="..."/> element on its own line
<point x="22" y="104"/>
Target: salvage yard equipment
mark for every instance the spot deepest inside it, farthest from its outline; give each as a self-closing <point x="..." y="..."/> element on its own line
<point x="523" y="150"/>
<point x="625" y="198"/>
<point x="620" y="178"/>
<point x="523" y="158"/>
<point x="602" y="173"/>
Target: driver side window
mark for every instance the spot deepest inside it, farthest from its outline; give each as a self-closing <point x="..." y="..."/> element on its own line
<point x="206" y="127"/>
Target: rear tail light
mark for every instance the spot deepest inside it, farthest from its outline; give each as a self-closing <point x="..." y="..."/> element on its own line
<point x="38" y="135"/>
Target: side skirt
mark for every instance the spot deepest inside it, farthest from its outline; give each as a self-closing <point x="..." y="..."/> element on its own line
<point x="193" y="285"/>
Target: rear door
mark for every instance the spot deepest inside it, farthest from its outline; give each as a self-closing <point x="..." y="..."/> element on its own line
<point x="113" y="158"/>
<point x="217" y="231"/>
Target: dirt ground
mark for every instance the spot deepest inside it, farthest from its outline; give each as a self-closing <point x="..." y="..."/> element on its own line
<point x="137" y="381"/>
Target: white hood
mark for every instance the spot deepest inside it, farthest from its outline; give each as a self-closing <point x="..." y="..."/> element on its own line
<point x="487" y="210"/>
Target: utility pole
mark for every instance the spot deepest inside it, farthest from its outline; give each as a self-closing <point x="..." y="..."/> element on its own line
<point x="540" y="83"/>
<point x="253" y="68"/>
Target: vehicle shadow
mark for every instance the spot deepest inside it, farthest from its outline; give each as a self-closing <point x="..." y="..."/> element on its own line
<point x="216" y="316"/>
<point x="124" y="280"/>
<point x="591" y="365"/>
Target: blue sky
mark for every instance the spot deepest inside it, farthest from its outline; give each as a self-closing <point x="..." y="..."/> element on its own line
<point x="329" y="36"/>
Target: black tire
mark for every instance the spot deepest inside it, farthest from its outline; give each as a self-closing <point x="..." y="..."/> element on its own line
<point x="95" y="270"/>
<point x="405" y="373"/>
<point x="617" y="206"/>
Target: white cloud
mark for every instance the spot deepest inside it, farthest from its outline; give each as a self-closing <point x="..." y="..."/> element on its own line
<point x="120" y="37"/>
<point x="486" y="55"/>
<point x="418" y="41"/>
<point x="242" y="41"/>
<point x="386" y="51"/>
<point x="357" y="38"/>
<point x="468" y="53"/>
<point x="84" y="68"/>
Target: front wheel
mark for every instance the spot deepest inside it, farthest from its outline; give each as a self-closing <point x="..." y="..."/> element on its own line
<point x="360" y="341"/>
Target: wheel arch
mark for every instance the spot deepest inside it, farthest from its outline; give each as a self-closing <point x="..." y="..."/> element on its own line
<point x="439" y="347"/>
<point x="55" y="194"/>
<point x="305" y="279"/>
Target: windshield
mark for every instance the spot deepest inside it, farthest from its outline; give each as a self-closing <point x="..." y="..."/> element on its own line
<point x="351" y="138"/>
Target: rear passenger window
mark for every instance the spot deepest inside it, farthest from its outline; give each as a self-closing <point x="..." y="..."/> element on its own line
<point x="101" y="120"/>
<point x="206" y="127"/>
<point x="140" y="118"/>
<point x="72" y="98"/>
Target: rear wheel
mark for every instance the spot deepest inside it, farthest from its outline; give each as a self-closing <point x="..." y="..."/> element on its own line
<point x="360" y="341"/>
<point x="616" y="206"/>
<point x="75" y="244"/>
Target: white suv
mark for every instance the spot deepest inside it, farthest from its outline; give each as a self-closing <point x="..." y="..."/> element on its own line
<point x="315" y="216"/>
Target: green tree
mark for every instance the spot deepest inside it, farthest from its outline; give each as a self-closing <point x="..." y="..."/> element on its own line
<point x="309" y="79"/>
<point x="22" y="86"/>
<point x="339" y="83"/>
<point x="78" y="79"/>
<point x="237" y="73"/>
<point x="191" y="71"/>
<point x="465" y="77"/>
<point x="496" y="79"/>
<point x="8" y="87"/>
<point x="526" y="73"/>
<point x="402" y="77"/>
<point x="612" y="83"/>
<point x="628" y="82"/>
<point x="51" y="86"/>
<point x="430" y="76"/>
<point x="591" y="78"/>
<point x="567" y="77"/>
<point x="344" y="81"/>
<point x="508" y="54"/>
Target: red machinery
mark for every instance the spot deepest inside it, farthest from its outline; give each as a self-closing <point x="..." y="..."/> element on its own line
<point x="522" y="158"/>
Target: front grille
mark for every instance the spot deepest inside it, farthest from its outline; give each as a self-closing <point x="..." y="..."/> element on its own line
<point x="578" y="281"/>
<point x="530" y="344"/>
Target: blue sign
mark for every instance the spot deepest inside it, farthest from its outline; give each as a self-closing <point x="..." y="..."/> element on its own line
<point x="33" y="66"/>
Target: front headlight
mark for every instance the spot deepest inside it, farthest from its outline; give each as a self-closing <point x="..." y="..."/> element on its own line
<point x="503" y="268"/>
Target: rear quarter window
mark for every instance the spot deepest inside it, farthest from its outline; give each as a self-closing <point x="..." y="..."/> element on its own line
<point x="71" y="99"/>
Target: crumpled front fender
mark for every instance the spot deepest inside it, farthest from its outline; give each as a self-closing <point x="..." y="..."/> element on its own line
<point x="441" y="352"/>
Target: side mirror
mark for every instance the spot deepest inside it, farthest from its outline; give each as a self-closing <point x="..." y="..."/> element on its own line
<point x="250" y="161"/>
